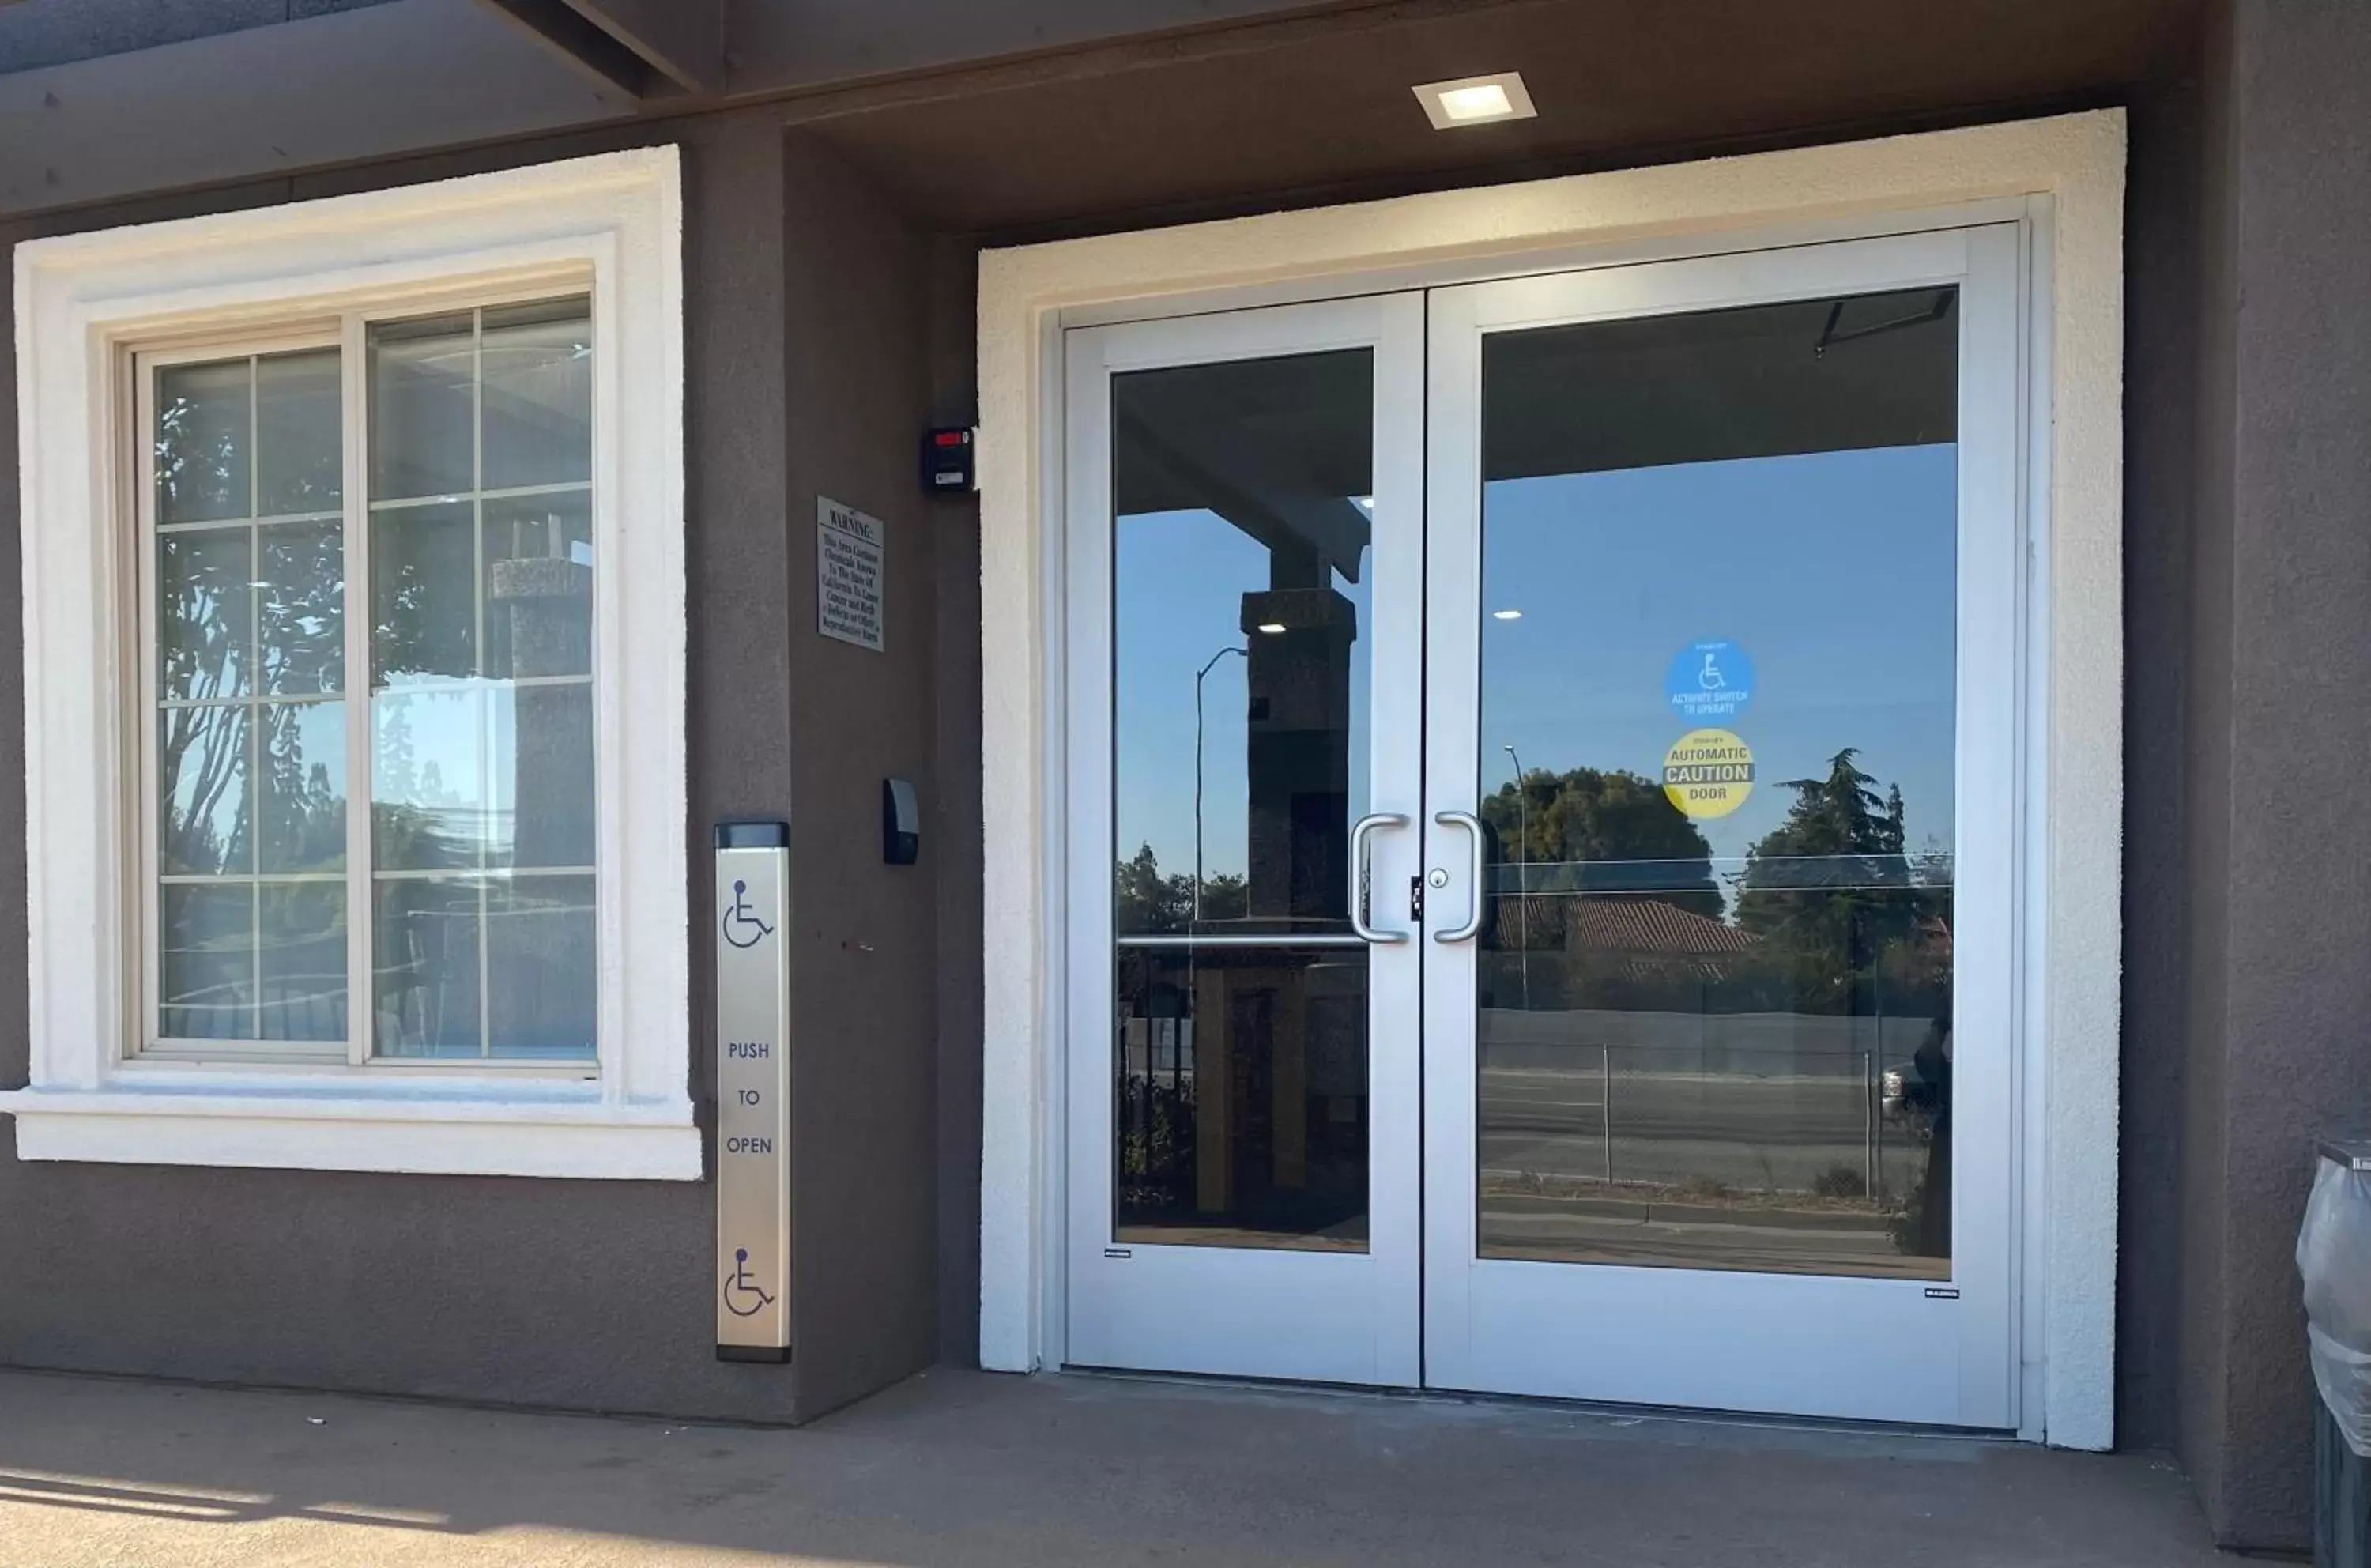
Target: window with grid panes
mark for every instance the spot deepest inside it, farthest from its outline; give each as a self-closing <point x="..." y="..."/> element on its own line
<point x="370" y="635"/>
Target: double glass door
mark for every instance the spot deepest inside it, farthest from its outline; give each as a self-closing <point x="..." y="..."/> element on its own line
<point x="1539" y="780"/>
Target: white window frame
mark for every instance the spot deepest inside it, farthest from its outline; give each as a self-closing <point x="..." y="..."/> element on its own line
<point x="610" y="226"/>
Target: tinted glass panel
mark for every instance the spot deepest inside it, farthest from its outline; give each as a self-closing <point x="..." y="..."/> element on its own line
<point x="250" y="760"/>
<point x="205" y="448"/>
<point x="1717" y="712"/>
<point x="299" y="444"/>
<point x="1239" y="660"/>
<point x="302" y="959"/>
<point x="207" y="958"/>
<point x="538" y="395"/>
<point x="482" y="743"/>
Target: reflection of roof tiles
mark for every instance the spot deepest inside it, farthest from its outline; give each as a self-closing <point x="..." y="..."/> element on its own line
<point x="1622" y="925"/>
<point x="1650" y="925"/>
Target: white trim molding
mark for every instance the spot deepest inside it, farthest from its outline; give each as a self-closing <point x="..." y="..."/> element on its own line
<point x="2061" y="179"/>
<point x="85" y="302"/>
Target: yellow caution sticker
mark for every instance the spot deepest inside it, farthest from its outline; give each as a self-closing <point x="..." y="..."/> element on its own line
<point x="1708" y="773"/>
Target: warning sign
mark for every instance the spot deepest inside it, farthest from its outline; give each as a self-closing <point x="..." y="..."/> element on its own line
<point x="850" y="548"/>
<point x="1708" y="773"/>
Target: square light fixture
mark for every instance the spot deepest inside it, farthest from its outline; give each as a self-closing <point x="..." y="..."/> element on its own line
<point x="1475" y="100"/>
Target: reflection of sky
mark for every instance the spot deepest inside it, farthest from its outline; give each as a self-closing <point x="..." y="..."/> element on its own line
<point x="1179" y="579"/>
<point x="463" y="741"/>
<point x="1834" y="572"/>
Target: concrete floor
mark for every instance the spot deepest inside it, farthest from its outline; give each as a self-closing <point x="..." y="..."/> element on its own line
<point x="963" y="1467"/>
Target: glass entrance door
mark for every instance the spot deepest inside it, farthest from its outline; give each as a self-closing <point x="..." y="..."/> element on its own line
<point x="1539" y="779"/>
<point x="1245" y="605"/>
<point x="1721" y="739"/>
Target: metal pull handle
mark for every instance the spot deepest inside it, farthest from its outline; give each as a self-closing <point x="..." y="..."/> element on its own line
<point x="1473" y="826"/>
<point x="1362" y="876"/>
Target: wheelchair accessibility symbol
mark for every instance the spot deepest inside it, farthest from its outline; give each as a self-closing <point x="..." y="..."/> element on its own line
<point x="1709" y="681"/>
<point x="743" y="1297"/>
<point x="742" y="927"/>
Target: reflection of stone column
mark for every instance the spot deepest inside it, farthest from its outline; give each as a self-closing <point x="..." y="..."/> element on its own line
<point x="551" y="738"/>
<point x="546" y="598"/>
<point x="1298" y="751"/>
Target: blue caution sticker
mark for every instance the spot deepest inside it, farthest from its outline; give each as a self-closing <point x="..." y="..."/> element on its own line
<point x="1710" y="680"/>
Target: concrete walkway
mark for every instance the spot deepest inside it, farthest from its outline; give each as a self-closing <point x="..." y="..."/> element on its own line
<point x="961" y="1468"/>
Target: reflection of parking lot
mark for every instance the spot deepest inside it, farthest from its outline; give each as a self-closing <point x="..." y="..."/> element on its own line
<point x="1746" y="1132"/>
<point x="1709" y="1169"/>
<point x="1698" y="1236"/>
<point x="1745" y="1102"/>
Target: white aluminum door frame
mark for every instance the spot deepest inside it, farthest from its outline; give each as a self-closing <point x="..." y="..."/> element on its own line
<point x="1303" y="1315"/>
<point x="1854" y="1348"/>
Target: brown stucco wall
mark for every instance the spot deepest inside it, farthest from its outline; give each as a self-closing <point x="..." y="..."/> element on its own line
<point x="864" y="1179"/>
<point x="2192" y="1277"/>
<point x="807" y="368"/>
<point x="2281" y="1034"/>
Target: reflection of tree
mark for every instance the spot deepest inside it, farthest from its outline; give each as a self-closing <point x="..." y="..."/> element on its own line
<point x="419" y="596"/>
<point x="410" y="808"/>
<point x="194" y="468"/>
<point x="301" y="612"/>
<point x="204" y="652"/>
<point x="1226" y="896"/>
<point x="207" y="606"/>
<point x="225" y="638"/>
<point x="202" y="752"/>
<point x="1604" y="816"/>
<point x="301" y="609"/>
<point x="303" y="815"/>
<point x="1145" y="902"/>
<point x="1832" y="895"/>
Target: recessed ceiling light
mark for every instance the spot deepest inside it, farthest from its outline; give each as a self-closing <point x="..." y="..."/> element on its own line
<point x="1506" y="615"/>
<point x="1271" y="628"/>
<point x="1475" y="100"/>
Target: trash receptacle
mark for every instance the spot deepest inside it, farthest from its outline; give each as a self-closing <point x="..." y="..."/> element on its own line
<point x="2333" y="1255"/>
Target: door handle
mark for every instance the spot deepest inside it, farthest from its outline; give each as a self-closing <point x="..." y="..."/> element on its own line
<point x="1362" y="876"/>
<point x="1473" y="826"/>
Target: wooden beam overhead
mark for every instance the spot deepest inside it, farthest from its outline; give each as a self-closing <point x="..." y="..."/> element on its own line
<point x="649" y="48"/>
<point x="395" y="79"/>
<point x="682" y="39"/>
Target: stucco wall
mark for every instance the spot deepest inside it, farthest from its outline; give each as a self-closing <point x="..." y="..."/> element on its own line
<point x="807" y="369"/>
<point x="2281" y="1042"/>
<point x="865" y="1182"/>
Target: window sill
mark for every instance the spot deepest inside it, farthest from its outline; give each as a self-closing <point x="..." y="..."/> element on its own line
<point x="417" y="1125"/>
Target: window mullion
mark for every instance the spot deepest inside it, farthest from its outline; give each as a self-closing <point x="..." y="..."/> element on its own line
<point x="485" y="683"/>
<point x="147" y="1010"/>
<point x="353" y="377"/>
<point x="254" y="709"/>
